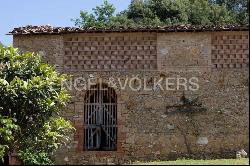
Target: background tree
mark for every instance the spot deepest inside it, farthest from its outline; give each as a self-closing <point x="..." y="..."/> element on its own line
<point x="239" y="9"/>
<point x="201" y="12"/>
<point x="167" y="12"/>
<point x="101" y="16"/>
<point x="31" y="98"/>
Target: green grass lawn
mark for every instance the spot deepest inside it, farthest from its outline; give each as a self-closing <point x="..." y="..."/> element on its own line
<point x="198" y="162"/>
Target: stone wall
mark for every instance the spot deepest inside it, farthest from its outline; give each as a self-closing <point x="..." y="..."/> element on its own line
<point x="50" y="47"/>
<point x="184" y="51"/>
<point x="146" y="131"/>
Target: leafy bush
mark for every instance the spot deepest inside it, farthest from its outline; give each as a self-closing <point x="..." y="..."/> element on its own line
<point x="30" y="157"/>
<point x="31" y="98"/>
<point x="7" y="129"/>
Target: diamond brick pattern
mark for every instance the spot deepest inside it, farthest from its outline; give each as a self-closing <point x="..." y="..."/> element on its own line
<point x="110" y="52"/>
<point x="230" y="51"/>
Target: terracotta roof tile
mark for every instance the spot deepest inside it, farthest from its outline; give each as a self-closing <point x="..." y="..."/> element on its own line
<point x="47" y="29"/>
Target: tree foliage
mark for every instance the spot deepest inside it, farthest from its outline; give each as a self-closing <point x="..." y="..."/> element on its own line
<point x="167" y="12"/>
<point x="31" y="97"/>
<point x="239" y="9"/>
<point x="7" y="128"/>
<point x="101" y="16"/>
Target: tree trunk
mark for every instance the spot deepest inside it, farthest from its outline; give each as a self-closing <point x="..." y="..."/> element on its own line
<point x="5" y="160"/>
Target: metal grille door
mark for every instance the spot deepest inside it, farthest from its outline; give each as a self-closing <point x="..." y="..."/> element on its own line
<point x="100" y="118"/>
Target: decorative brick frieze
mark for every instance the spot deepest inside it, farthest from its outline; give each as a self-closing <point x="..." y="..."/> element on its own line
<point x="110" y="52"/>
<point x="230" y="50"/>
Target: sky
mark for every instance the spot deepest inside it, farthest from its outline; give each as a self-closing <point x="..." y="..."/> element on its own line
<point x="16" y="13"/>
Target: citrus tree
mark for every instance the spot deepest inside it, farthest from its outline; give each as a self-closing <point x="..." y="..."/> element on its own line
<point x="31" y="98"/>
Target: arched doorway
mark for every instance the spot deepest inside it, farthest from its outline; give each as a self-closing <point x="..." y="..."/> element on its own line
<point x="100" y="119"/>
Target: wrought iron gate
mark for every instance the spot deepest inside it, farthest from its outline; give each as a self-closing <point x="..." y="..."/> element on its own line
<point x="100" y="118"/>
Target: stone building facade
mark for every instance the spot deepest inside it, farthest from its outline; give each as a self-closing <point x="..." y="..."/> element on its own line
<point x="126" y="123"/>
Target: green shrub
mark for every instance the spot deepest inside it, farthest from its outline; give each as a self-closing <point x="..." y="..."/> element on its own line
<point x="31" y="98"/>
